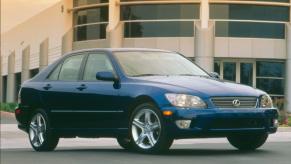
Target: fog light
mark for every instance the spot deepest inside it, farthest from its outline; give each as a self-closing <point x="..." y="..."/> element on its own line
<point x="183" y="124"/>
<point x="275" y="122"/>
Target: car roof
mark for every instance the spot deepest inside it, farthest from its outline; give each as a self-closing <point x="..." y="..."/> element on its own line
<point x="118" y="50"/>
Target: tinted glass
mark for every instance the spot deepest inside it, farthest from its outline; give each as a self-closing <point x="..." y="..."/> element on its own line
<point x="250" y="29"/>
<point x="88" y="2"/>
<point x="271" y="86"/>
<point x="159" y="29"/>
<point x="55" y="74"/>
<point x="157" y="63"/>
<point x="90" y="32"/>
<point x="229" y="71"/>
<point x="270" y="69"/>
<point x="246" y="74"/>
<point x="91" y="16"/>
<point x="217" y="67"/>
<point x="249" y="12"/>
<point x="169" y="11"/>
<point x="71" y="68"/>
<point x="96" y="63"/>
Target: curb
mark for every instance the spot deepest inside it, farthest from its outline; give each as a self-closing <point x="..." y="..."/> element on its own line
<point x="9" y="114"/>
<point x="284" y="129"/>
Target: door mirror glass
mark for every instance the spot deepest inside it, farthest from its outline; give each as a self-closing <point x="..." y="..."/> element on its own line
<point x="214" y="75"/>
<point x="106" y="76"/>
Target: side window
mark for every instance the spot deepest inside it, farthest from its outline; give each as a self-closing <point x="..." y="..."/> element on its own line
<point x="55" y="74"/>
<point x="96" y="63"/>
<point x="71" y="68"/>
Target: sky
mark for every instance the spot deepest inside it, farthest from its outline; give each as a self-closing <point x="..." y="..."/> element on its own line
<point x="14" y="12"/>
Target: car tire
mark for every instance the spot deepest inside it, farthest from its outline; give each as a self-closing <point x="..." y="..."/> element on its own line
<point x="40" y="134"/>
<point x="247" y="141"/>
<point x="148" y="131"/>
<point x="124" y="142"/>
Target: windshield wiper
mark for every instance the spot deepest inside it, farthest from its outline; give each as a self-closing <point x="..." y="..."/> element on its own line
<point x="149" y="74"/>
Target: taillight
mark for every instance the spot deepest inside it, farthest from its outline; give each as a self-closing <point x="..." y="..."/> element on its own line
<point x="17" y="111"/>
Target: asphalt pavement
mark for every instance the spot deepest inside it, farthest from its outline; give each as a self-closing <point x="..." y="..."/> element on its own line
<point x="15" y="149"/>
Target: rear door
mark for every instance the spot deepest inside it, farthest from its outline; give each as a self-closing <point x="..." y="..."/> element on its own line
<point x="100" y="105"/>
<point x="61" y="92"/>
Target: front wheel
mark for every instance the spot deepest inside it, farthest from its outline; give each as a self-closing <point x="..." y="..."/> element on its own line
<point x="247" y="141"/>
<point x="147" y="130"/>
<point x="40" y="136"/>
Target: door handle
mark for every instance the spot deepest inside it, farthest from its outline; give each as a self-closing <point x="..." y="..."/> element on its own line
<point x="47" y="87"/>
<point x="82" y="87"/>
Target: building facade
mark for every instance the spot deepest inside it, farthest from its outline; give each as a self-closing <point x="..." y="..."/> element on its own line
<point x="245" y="41"/>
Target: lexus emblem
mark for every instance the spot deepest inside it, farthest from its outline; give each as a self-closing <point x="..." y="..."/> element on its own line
<point x="236" y="103"/>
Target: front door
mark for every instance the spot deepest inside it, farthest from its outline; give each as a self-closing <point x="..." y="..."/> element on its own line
<point x="100" y="105"/>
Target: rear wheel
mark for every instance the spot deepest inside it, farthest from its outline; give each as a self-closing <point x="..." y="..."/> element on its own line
<point x="147" y="130"/>
<point x="40" y="136"/>
<point x="247" y="141"/>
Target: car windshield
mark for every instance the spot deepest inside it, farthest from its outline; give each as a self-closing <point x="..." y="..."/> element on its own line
<point x="146" y="63"/>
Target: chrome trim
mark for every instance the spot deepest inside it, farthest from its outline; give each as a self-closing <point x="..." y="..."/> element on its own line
<point x="86" y="111"/>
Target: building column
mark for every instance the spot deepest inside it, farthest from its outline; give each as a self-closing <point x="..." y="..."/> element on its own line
<point x="25" y="73"/>
<point x="115" y="27"/>
<point x="43" y="54"/>
<point x="68" y="38"/>
<point x="1" y="80"/>
<point x="11" y="78"/>
<point x="204" y="46"/>
<point x="287" y="104"/>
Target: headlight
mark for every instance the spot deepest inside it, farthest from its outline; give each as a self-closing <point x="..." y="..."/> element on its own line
<point x="266" y="102"/>
<point x="182" y="100"/>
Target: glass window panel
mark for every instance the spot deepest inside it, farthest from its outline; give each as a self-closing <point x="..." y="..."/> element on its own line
<point x="250" y="30"/>
<point x="249" y="12"/>
<point x="246" y="74"/>
<point x="71" y="67"/>
<point x="151" y="12"/>
<point x="217" y="67"/>
<point x="55" y="74"/>
<point x="229" y="71"/>
<point x="270" y="69"/>
<point x="91" y="16"/>
<point x="91" y="32"/>
<point x="271" y="86"/>
<point x="96" y="63"/>
<point x="88" y="2"/>
<point x="159" y="29"/>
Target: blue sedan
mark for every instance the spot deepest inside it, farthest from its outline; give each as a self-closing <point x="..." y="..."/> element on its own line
<point x="144" y="98"/>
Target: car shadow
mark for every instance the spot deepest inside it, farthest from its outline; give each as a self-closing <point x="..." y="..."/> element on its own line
<point x="173" y="152"/>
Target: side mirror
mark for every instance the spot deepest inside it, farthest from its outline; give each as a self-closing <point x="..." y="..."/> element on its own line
<point x="214" y="75"/>
<point x="106" y="76"/>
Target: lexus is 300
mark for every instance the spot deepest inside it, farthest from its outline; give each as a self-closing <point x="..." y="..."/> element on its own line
<point x="144" y="98"/>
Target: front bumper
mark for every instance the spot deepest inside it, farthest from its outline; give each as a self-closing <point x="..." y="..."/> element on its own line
<point x="220" y="122"/>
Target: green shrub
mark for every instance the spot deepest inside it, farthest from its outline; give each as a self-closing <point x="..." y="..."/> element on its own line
<point x="8" y="107"/>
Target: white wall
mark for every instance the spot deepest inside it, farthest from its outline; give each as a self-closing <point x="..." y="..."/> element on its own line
<point x="51" y="23"/>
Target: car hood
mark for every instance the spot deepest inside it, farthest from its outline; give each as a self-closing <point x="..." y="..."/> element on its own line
<point x="209" y="87"/>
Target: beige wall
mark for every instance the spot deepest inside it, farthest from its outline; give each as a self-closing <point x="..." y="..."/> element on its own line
<point x="250" y="48"/>
<point x="51" y="23"/>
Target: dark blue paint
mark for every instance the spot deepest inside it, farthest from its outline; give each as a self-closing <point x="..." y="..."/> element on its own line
<point x="102" y="108"/>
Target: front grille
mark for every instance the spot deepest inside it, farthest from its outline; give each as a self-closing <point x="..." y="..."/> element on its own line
<point x="228" y="102"/>
<point x="229" y="123"/>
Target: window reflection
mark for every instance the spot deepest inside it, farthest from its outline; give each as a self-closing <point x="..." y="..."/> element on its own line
<point x="249" y="12"/>
<point x="229" y="71"/>
<point x="158" y="29"/>
<point x="153" y="12"/>
<point x="250" y="30"/>
<point x="246" y="74"/>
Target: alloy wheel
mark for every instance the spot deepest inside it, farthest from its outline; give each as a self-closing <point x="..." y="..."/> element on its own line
<point x="37" y="129"/>
<point x="146" y="128"/>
